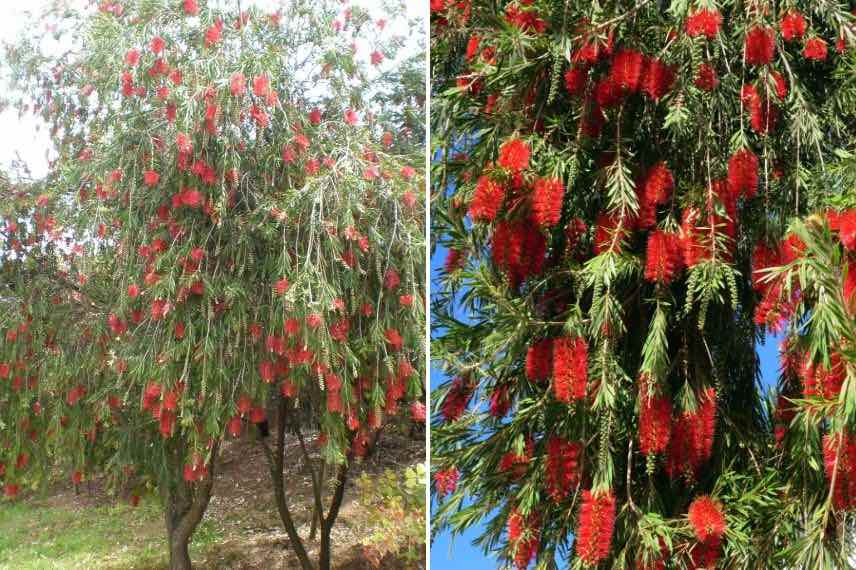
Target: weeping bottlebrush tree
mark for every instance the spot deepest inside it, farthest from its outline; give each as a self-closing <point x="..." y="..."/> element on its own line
<point x="613" y="184"/>
<point x="225" y="230"/>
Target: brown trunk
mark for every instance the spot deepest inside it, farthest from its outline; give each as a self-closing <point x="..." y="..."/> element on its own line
<point x="184" y="507"/>
<point x="324" y="557"/>
<point x="275" y="461"/>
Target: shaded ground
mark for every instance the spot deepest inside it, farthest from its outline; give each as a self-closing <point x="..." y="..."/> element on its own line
<point x="241" y="529"/>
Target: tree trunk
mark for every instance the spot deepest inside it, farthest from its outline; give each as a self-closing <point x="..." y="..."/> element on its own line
<point x="275" y="460"/>
<point x="324" y="557"/>
<point x="185" y="505"/>
<point x="179" y="554"/>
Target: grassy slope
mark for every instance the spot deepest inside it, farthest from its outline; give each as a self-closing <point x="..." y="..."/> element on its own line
<point x="241" y="530"/>
<point x="40" y="536"/>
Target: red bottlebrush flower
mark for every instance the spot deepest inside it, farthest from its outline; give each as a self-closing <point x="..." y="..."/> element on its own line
<point x="394" y="339"/>
<point x="376" y="57"/>
<point x="457" y="399"/>
<point x="391" y="279"/>
<point x="607" y="93"/>
<point x="150" y="178"/>
<point x="850" y="287"/>
<point x="692" y="437"/>
<point x="839" y="458"/>
<point x="132" y="58"/>
<point x="157" y="44"/>
<point x="815" y="49"/>
<point x="596" y="522"/>
<point x="179" y="330"/>
<point x="743" y="173"/>
<point x="658" y="79"/>
<point x="760" y="45"/>
<point x="763" y="257"/>
<point x="539" y="360"/>
<point x="500" y="402"/>
<point x="658" y="184"/>
<point x="260" y="116"/>
<point x="514" y="155"/>
<point x="523" y="537"/>
<point x="455" y="259"/>
<point x="706" y="78"/>
<point x="763" y="115"/>
<point x="214" y="33"/>
<point x="781" y="84"/>
<point x="267" y="371"/>
<point x="703" y="23"/>
<point x="417" y="412"/>
<point x="238" y="85"/>
<point x="626" y="70"/>
<point x="575" y="80"/>
<point x="351" y="117"/>
<point x="562" y="467"/>
<point x="663" y="260"/>
<point x="233" y="427"/>
<point x="547" y="200"/>
<point x="261" y="85"/>
<point x="472" y="47"/>
<point x="281" y="286"/>
<point x="517" y="249"/>
<point x="446" y="481"/>
<point x="191" y="7"/>
<point x="11" y="490"/>
<point x="570" y="369"/>
<point x="525" y="20"/>
<point x="315" y="116"/>
<point x="846" y="227"/>
<point x="655" y="421"/>
<point x="706" y="518"/>
<point x="792" y="26"/>
<point x="76" y="477"/>
<point x="184" y="143"/>
<point x="257" y="415"/>
<point x="515" y="464"/>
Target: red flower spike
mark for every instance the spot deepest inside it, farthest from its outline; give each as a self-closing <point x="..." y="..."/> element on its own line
<point x="760" y="46"/>
<point x="706" y="78"/>
<point x="562" y="467"/>
<point x="446" y="481"/>
<point x="596" y="522"/>
<point x="663" y="260"/>
<point x="626" y="70"/>
<point x="523" y="537"/>
<point x="655" y="421"/>
<point x="547" y="198"/>
<point x="703" y="23"/>
<point x="514" y="155"/>
<point x="570" y="369"/>
<point x="815" y="49"/>
<point x="743" y="173"/>
<point x="456" y="400"/>
<point x="792" y="26"/>
<point x="706" y="518"/>
<point x="539" y="360"/>
<point x="487" y="200"/>
<point x="658" y="79"/>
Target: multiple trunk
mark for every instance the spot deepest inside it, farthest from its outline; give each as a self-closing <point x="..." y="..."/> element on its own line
<point x="325" y="522"/>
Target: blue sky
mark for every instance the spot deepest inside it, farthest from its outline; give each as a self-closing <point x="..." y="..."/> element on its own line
<point x="449" y="554"/>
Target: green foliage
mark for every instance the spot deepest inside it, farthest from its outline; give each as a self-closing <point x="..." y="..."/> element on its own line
<point x="494" y="70"/>
<point x="395" y="514"/>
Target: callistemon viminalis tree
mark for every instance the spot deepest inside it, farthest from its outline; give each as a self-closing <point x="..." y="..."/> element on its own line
<point x="608" y="178"/>
<point x="253" y="238"/>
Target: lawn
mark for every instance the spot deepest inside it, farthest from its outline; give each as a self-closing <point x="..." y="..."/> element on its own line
<point x="37" y="535"/>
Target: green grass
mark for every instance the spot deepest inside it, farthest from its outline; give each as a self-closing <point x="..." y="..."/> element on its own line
<point x="38" y="537"/>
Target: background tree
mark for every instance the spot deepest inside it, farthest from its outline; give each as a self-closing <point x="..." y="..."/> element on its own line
<point x="247" y="236"/>
<point x="623" y="179"/>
